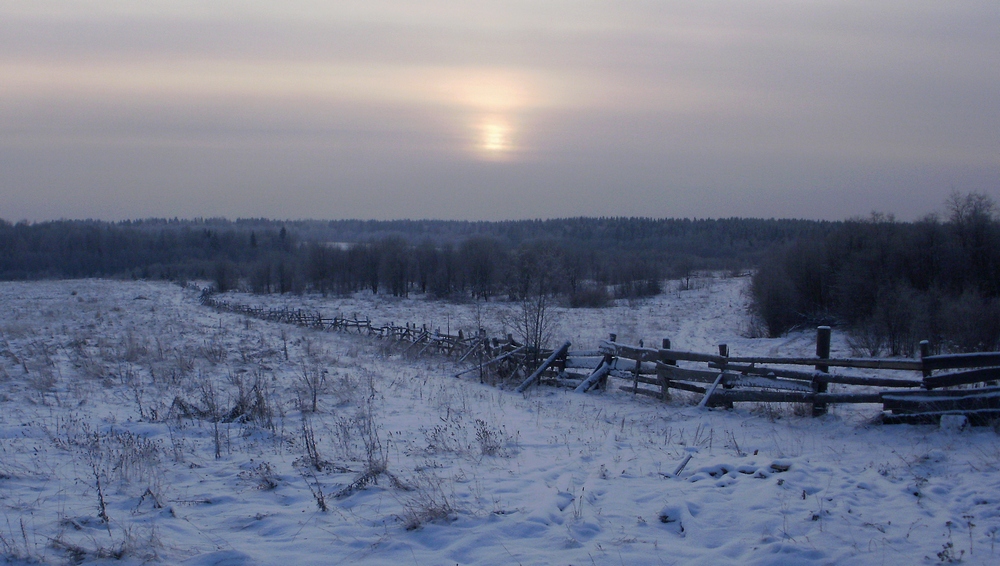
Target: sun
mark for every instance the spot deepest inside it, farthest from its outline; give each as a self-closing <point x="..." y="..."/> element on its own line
<point x="493" y="106"/>
<point x="495" y="139"/>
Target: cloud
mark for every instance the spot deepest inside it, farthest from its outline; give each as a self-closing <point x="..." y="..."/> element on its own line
<point x="690" y="108"/>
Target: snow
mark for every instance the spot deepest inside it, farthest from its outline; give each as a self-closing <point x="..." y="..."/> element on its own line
<point x="482" y="475"/>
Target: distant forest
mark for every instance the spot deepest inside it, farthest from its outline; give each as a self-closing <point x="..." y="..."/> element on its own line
<point x="893" y="284"/>
<point x="890" y="283"/>
<point x="586" y="259"/>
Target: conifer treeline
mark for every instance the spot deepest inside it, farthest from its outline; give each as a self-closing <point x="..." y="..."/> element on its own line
<point x="580" y="256"/>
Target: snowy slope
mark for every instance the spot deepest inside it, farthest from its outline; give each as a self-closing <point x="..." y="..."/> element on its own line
<point x="89" y="371"/>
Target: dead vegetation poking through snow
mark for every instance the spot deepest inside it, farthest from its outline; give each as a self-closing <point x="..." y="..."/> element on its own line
<point x="155" y="430"/>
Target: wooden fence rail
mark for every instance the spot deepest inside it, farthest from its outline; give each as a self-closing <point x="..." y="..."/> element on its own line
<point x="723" y="380"/>
<point x="908" y="390"/>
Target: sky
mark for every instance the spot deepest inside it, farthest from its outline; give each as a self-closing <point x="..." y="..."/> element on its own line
<point x="490" y="110"/>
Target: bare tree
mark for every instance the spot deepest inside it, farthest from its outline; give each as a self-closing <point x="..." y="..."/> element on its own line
<point x="532" y="319"/>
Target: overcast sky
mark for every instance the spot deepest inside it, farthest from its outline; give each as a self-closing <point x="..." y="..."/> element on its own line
<point x="495" y="109"/>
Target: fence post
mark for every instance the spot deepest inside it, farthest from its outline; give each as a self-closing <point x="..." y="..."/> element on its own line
<point x="636" y="370"/>
<point x="608" y="359"/>
<point x="724" y="352"/>
<point x="925" y="350"/>
<point x="484" y="345"/>
<point x="664" y="382"/>
<point x="823" y="353"/>
<point x="560" y="364"/>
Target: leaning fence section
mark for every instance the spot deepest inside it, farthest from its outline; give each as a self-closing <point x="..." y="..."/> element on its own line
<point x="909" y="390"/>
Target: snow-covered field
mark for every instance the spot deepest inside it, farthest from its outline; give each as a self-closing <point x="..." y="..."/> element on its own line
<point x="108" y="391"/>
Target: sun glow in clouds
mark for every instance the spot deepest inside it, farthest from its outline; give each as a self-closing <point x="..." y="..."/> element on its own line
<point x="496" y="101"/>
<point x="489" y="106"/>
<point x="495" y="139"/>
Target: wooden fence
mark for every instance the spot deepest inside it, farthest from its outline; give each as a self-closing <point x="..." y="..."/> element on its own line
<point x="497" y="359"/>
<point x="909" y="390"/>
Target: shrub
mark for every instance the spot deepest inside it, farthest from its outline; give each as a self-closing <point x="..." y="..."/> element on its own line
<point x="971" y="322"/>
<point x="774" y="299"/>
<point x="593" y="297"/>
